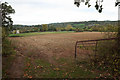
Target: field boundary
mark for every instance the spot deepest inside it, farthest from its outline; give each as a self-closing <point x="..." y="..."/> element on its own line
<point x="93" y="42"/>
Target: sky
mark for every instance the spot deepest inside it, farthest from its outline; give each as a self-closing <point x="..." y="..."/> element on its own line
<point x="34" y="12"/>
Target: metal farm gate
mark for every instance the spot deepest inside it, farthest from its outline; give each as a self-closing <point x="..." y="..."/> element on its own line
<point x="90" y="47"/>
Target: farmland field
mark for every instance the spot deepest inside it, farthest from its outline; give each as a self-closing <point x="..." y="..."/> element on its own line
<point x="49" y="56"/>
<point x="37" y="33"/>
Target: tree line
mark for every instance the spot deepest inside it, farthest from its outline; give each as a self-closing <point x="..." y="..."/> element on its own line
<point x="67" y="27"/>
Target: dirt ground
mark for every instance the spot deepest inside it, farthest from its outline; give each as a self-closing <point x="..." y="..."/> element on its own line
<point x="47" y="46"/>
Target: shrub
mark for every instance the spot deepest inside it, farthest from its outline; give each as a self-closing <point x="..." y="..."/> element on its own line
<point x="7" y="48"/>
<point x="79" y="30"/>
<point x="107" y="58"/>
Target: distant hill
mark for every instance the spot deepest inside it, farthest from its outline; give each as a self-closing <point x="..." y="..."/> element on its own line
<point x="74" y="24"/>
<point x="69" y="26"/>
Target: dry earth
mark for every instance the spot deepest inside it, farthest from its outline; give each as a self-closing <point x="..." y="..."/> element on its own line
<point x="46" y="47"/>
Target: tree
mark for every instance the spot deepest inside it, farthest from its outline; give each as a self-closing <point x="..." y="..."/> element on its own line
<point x="44" y="27"/>
<point x="78" y="30"/>
<point x="98" y="4"/>
<point x="5" y="11"/>
<point x="69" y="28"/>
<point x="6" y="19"/>
<point x="58" y="29"/>
<point x="51" y="28"/>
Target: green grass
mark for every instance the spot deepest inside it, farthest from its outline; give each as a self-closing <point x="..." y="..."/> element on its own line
<point x="38" y="68"/>
<point x="37" y="33"/>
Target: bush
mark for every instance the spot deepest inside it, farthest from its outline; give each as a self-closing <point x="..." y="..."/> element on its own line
<point x="4" y="33"/>
<point x="7" y="48"/>
<point x="79" y="30"/>
<point x="107" y="58"/>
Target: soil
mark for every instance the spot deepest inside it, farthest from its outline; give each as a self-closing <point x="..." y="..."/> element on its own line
<point x="46" y="47"/>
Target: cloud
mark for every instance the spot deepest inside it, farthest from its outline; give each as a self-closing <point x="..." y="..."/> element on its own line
<point x="50" y="11"/>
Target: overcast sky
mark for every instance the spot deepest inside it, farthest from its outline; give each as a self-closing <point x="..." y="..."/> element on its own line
<point x="31" y="12"/>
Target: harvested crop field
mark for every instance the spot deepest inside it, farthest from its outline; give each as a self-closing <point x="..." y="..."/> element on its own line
<point x="54" y="49"/>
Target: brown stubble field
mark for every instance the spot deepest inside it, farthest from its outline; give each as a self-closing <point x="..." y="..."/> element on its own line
<point x="59" y="45"/>
<point x="48" y="47"/>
